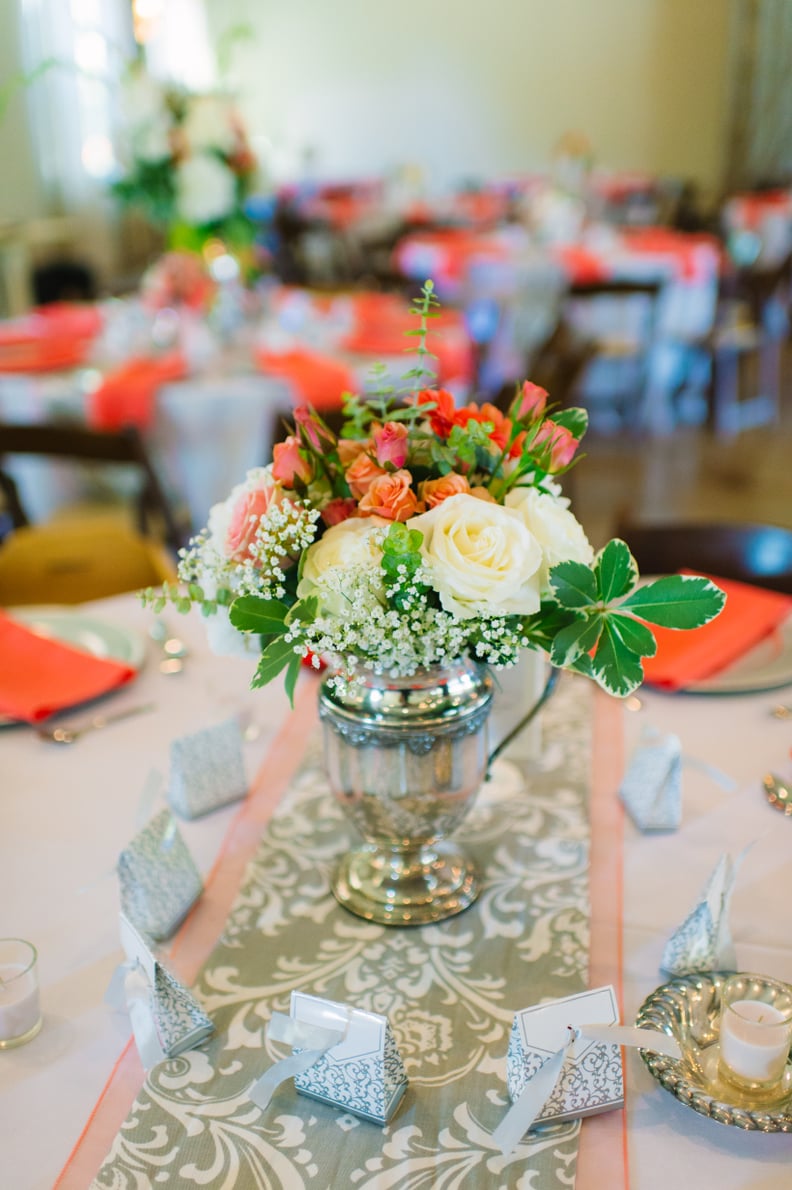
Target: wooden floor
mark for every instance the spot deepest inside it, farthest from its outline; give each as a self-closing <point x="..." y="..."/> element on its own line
<point x="690" y="475"/>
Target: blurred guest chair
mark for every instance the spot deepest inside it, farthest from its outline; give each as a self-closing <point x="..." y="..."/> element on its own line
<point x="757" y="554"/>
<point x="83" y="554"/>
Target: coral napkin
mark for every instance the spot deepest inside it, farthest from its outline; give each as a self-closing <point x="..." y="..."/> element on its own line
<point x="750" y="614"/>
<point x="318" y="380"/>
<point x="39" y="677"/>
<point x="52" y="338"/>
<point x="127" y="396"/>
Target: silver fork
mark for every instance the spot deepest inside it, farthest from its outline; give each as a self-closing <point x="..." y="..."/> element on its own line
<point x="67" y="735"/>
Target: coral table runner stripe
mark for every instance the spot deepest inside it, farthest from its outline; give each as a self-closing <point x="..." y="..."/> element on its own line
<point x="450" y="990"/>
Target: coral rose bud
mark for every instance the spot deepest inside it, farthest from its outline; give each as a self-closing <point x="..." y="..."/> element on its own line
<point x="435" y="491"/>
<point x="392" y="497"/>
<point x="349" y="449"/>
<point x="361" y="474"/>
<point x="338" y="510"/>
<point x="390" y="443"/>
<point x="288" y="465"/>
<point x="559" y="444"/>
<point x="531" y="402"/>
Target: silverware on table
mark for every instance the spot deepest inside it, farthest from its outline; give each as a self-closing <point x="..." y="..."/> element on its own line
<point x="67" y="735"/>
<point x="174" y="650"/>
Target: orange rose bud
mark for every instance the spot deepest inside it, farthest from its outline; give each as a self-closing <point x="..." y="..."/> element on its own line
<point x="435" y="491"/>
<point x="392" y="497"/>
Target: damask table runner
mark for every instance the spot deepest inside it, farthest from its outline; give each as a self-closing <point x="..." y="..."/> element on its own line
<point x="450" y="991"/>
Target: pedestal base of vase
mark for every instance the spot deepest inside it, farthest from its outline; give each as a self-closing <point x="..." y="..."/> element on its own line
<point x="400" y="888"/>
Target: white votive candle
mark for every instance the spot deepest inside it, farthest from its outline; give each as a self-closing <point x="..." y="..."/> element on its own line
<point x="20" y="1014"/>
<point x="755" y="1035"/>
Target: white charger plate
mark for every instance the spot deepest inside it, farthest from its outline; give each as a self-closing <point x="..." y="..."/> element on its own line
<point x="767" y="666"/>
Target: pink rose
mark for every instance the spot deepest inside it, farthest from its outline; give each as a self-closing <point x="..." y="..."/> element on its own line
<point x="288" y="464"/>
<point x="531" y="402"/>
<point x="316" y="433"/>
<point x="362" y="474"/>
<point x="392" y="497"/>
<point x="245" y="520"/>
<point x="338" y="510"/>
<point x="559" y="444"/>
<point x="390" y="442"/>
<point x="435" y="491"/>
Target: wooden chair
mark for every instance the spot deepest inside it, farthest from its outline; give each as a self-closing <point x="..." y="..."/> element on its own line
<point x="752" y="323"/>
<point x="617" y="321"/>
<point x="86" y="553"/>
<point x="80" y="445"/>
<point x="757" y="554"/>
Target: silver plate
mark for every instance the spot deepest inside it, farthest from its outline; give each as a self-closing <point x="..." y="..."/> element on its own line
<point x="688" y="1008"/>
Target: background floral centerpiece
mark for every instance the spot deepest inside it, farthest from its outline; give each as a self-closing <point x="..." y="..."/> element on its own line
<point x="189" y="165"/>
<point x="423" y="533"/>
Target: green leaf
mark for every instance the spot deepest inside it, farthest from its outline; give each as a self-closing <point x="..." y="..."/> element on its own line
<point x="196" y="592"/>
<point x="575" y="420"/>
<point x="577" y="638"/>
<point x="615" y="667"/>
<point x="635" y="635"/>
<point x="303" y="612"/>
<point x="574" y="584"/>
<point x="251" y="613"/>
<point x="292" y="673"/>
<point x="275" y="657"/>
<point x="677" y="601"/>
<point x="615" y="570"/>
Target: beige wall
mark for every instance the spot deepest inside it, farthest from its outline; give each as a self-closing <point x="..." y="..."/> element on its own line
<point x="21" y="195"/>
<point x="470" y="87"/>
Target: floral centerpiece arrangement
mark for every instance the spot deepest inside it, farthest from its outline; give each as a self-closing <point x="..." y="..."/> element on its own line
<point x="189" y="165"/>
<point x="424" y="532"/>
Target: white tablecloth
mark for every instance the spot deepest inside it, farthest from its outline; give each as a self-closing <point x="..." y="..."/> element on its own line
<point x="68" y="811"/>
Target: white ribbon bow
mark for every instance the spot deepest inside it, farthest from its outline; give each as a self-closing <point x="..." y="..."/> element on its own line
<point x="313" y="1040"/>
<point x="539" y="1088"/>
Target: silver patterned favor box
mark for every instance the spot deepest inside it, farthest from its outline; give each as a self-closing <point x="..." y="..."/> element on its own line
<point x="207" y="769"/>
<point x="159" y="880"/>
<point x="364" y="1073"/>
<point x="591" y="1079"/>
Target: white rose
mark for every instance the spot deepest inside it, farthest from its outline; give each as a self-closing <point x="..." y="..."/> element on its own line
<point x="481" y="557"/>
<point x="151" y="141"/>
<point x="205" y="190"/>
<point x="552" y="524"/>
<point x="325" y="573"/>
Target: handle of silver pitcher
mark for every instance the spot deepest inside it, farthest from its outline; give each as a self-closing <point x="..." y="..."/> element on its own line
<point x="549" y="687"/>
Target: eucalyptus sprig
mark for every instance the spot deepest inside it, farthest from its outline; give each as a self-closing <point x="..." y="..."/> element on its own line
<point x="424" y="308"/>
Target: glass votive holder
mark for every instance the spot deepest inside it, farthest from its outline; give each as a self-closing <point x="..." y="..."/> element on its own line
<point x="755" y="1033"/>
<point x="20" y="1015"/>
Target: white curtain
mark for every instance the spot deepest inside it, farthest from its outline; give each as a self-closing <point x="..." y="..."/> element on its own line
<point x="761" y="134"/>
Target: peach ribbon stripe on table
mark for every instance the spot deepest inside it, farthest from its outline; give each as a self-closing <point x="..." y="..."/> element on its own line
<point x="196" y="938"/>
<point x="603" y="1159"/>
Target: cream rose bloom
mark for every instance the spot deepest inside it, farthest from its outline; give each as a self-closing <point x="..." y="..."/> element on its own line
<point x="354" y="542"/>
<point x="481" y="557"/>
<point x="205" y="189"/>
<point x="552" y="524"/>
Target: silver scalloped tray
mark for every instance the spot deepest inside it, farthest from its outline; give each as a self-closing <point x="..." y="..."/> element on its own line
<point x="688" y="1008"/>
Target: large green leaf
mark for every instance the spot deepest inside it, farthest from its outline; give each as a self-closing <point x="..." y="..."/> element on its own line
<point x="574" y="419"/>
<point x="574" y="584"/>
<point x="615" y="570"/>
<point x="635" y="635"/>
<point x="615" y="667"/>
<point x="677" y="601"/>
<point x="304" y="611"/>
<point x="250" y="613"/>
<point x="275" y="657"/>
<point x="292" y="673"/>
<point x="577" y="638"/>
